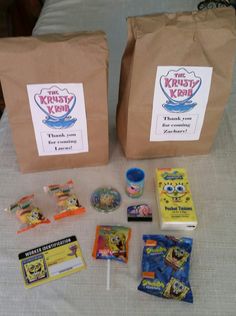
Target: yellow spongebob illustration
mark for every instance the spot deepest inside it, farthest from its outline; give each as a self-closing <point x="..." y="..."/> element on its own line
<point x="68" y="202"/>
<point x="116" y="242"/>
<point x="175" y="289"/>
<point x="175" y="199"/>
<point x="175" y="191"/>
<point x="30" y="216"/>
<point x="35" y="269"/>
<point x="176" y="257"/>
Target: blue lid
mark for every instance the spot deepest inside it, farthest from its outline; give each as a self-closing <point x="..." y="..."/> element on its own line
<point x="135" y="175"/>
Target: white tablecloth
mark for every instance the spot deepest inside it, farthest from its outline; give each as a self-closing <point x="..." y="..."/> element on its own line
<point x="213" y="184"/>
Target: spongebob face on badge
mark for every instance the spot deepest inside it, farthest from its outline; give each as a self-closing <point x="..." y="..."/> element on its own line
<point x="35" y="270"/>
<point x="175" y="191"/>
<point x="106" y="199"/>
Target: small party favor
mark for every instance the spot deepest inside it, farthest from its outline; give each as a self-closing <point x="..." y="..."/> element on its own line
<point x="175" y="201"/>
<point x="140" y="213"/>
<point x="67" y="202"/>
<point x="165" y="267"/>
<point x="134" y="182"/>
<point x="105" y="200"/>
<point x="111" y="243"/>
<point x="51" y="261"/>
<point x="29" y="215"/>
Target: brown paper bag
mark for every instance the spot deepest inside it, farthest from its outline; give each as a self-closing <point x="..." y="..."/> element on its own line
<point x="175" y="82"/>
<point x="55" y="90"/>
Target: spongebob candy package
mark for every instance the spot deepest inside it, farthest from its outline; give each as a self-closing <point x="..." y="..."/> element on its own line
<point x="67" y="202"/>
<point x="29" y="215"/>
<point x="111" y="242"/>
<point x="174" y="197"/>
<point x="165" y="267"/>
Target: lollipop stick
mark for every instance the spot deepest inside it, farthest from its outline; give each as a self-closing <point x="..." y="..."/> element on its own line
<point x="108" y="274"/>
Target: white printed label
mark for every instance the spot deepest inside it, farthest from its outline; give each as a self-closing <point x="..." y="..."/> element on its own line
<point x="58" y="268"/>
<point x="59" y="118"/>
<point x="179" y="104"/>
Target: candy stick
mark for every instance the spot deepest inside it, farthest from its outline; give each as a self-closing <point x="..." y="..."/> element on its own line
<point x="108" y="274"/>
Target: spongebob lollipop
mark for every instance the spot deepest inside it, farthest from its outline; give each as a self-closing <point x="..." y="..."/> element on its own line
<point x="111" y="243"/>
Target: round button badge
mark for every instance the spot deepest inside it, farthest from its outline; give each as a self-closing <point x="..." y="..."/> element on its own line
<point x="106" y="199"/>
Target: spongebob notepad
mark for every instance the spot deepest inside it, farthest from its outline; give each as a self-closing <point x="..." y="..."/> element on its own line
<point x="176" y="206"/>
<point x="52" y="261"/>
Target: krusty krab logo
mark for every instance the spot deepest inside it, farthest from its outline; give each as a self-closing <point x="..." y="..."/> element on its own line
<point x="180" y="86"/>
<point x="56" y="104"/>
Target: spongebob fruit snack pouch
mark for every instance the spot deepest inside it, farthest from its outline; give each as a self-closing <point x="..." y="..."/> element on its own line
<point x="165" y="267"/>
<point x="111" y="242"/>
<point x="174" y="199"/>
<point x="29" y="215"/>
<point x="67" y="202"/>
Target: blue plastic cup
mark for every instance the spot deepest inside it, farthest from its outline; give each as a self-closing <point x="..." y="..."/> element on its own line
<point x="134" y="182"/>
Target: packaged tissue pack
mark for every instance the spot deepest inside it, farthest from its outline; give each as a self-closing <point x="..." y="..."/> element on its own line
<point x="174" y="198"/>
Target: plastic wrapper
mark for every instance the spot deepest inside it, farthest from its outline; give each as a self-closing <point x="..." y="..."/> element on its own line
<point x="67" y="201"/>
<point x="165" y="267"/>
<point x="111" y="242"/>
<point x="27" y="213"/>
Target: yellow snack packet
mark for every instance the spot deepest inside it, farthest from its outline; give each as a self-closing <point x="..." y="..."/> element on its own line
<point x="176" y="207"/>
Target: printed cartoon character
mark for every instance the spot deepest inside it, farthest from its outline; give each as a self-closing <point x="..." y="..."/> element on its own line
<point x="144" y="210"/>
<point x="140" y="210"/>
<point x="73" y="249"/>
<point x="176" y="257"/>
<point x="68" y="202"/>
<point x="116" y="243"/>
<point x="30" y="216"/>
<point x="72" y="202"/>
<point x="35" y="270"/>
<point x="106" y="200"/>
<point x="178" y="253"/>
<point x="175" y="289"/>
<point x="134" y="189"/>
<point x="175" y="191"/>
